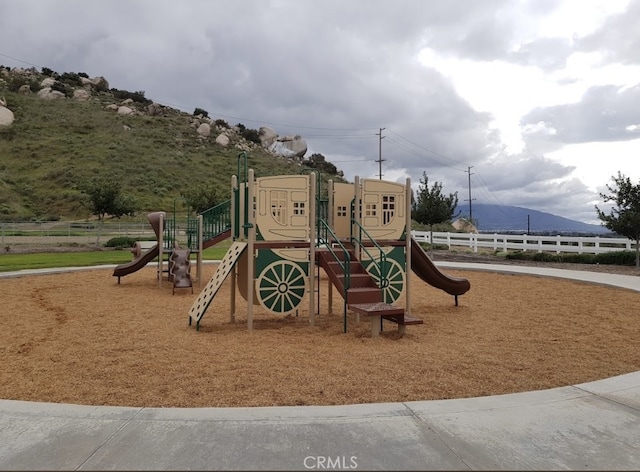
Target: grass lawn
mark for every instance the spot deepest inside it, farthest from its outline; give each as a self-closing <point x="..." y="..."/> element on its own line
<point x="11" y="262"/>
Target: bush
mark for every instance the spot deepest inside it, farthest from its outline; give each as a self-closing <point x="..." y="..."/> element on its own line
<point x="71" y="78"/>
<point x="251" y="135"/>
<point x="546" y="257"/>
<point x="223" y="124"/>
<point x="121" y="242"/>
<point x="627" y="258"/>
<point x="137" y="97"/>
<point x="579" y="258"/>
<point x="200" y="111"/>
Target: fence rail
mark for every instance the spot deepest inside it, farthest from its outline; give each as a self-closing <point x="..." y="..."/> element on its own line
<point x="52" y="233"/>
<point x="524" y="242"/>
<point x="69" y="232"/>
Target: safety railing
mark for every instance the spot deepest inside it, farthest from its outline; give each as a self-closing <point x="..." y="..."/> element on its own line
<point x="328" y="239"/>
<point x="381" y="261"/>
<point x="216" y="220"/>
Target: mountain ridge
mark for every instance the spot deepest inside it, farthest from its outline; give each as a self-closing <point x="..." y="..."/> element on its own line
<point x="508" y="218"/>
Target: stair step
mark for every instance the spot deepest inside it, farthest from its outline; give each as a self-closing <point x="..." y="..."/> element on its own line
<point x="377" y="309"/>
<point x="403" y="320"/>
<point x="364" y="295"/>
<point x="358" y="281"/>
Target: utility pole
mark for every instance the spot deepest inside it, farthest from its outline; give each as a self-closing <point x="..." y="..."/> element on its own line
<point x="380" y="159"/>
<point x="470" y="199"/>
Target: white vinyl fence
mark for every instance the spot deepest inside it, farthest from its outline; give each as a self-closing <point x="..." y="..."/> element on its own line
<point x="53" y="233"/>
<point x="504" y="242"/>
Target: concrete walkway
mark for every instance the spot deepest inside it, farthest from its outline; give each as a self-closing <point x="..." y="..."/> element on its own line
<point x="592" y="426"/>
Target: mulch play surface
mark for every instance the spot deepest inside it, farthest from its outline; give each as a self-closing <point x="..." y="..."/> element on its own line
<point x="82" y="338"/>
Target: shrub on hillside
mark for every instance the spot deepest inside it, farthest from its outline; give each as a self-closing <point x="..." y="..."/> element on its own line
<point x="200" y="111"/>
<point x="221" y="123"/>
<point x="137" y="97"/>
<point x="71" y="78"/>
<point x="251" y="135"/>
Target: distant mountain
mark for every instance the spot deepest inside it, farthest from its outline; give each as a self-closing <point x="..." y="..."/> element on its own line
<point x="504" y="218"/>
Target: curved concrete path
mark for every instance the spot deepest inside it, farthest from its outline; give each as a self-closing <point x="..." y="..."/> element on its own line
<point x="591" y="426"/>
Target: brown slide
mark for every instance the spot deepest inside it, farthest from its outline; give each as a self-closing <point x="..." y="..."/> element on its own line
<point x="424" y="268"/>
<point x="146" y="257"/>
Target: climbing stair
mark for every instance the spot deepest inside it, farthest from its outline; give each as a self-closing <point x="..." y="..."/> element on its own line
<point x="350" y="277"/>
<point x="360" y="290"/>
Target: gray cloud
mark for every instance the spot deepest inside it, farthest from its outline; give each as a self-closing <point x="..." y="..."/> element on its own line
<point x="619" y="37"/>
<point x="604" y="114"/>
<point x="336" y="72"/>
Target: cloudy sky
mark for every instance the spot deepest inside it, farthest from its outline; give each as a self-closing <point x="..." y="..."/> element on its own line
<point x="539" y="100"/>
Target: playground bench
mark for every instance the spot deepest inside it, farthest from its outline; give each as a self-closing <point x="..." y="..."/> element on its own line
<point x="379" y="311"/>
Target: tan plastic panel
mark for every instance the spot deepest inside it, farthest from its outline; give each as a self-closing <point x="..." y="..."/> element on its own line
<point x="383" y="208"/>
<point x="283" y="207"/>
<point x="342" y="197"/>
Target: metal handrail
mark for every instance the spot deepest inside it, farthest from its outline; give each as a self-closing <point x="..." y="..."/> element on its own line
<point x="324" y="233"/>
<point x="216" y="220"/>
<point x="382" y="262"/>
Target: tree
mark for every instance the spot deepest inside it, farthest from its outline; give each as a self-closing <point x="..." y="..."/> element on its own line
<point x="431" y="207"/>
<point x="624" y="217"/>
<point x="105" y="198"/>
<point x="201" y="197"/>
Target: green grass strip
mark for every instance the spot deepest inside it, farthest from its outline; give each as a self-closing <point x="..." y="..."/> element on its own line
<point x="11" y="262"/>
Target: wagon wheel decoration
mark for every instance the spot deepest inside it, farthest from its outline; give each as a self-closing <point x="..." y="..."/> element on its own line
<point x="281" y="287"/>
<point x="393" y="286"/>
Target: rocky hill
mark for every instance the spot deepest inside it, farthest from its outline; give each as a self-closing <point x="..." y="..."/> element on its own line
<point x="59" y="130"/>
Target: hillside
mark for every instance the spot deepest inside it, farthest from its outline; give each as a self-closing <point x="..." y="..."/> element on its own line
<point x="504" y="218"/>
<point x="53" y="146"/>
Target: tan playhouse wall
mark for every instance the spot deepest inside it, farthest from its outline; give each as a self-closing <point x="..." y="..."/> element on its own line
<point x="282" y="207"/>
<point x="342" y="197"/>
<point x="383" y="208"/>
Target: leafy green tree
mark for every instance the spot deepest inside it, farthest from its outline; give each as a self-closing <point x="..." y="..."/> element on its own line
<point x="201" y="197"/>
<point x="105" y="198"/>
<point x="431" y="206"/>
<point x="624" y="216"/>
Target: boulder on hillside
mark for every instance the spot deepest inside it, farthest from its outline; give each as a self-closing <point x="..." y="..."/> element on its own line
<point x="6" y="116"/>
<point x="99" y="84"/>
<point x="48" y="94"/>
<point x="123" y="110"/>
<point x="24" y="90"/>
<point x="268" y="136"/>
<point x="204" y="130"/>
<point x="154" y="109"/>
<point x="290" y="146"/>
<point x="47" y="82"/>
<point x="222" y="140"/>
<point x="81" y="95"/>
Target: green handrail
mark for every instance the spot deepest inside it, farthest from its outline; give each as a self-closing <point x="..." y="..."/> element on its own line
<point x="326" y="238"/>
<point x="216" y="220"/>
<point x="382" y="262"/>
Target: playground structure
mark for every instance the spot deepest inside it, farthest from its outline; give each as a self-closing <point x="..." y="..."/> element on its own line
<point x="284" y="231"/>
<point x="178" y="258"/>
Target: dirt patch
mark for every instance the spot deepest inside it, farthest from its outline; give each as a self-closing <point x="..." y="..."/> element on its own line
<point x="82" y="338"/>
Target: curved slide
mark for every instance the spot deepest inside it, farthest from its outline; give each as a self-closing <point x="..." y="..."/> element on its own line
<point x="424" y="268"/>
<point x="136" y="264"/>
<point x="148" y="256"/>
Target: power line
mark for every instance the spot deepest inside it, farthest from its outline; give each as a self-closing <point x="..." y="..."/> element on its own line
<point x="428" y="150"/>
